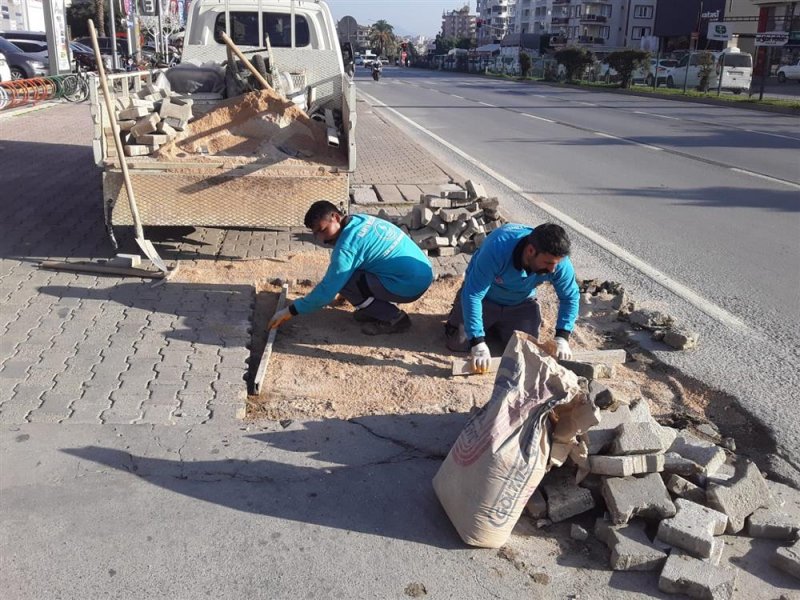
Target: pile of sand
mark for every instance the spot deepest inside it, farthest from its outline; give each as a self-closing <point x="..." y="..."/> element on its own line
<point x="262" y="125"/>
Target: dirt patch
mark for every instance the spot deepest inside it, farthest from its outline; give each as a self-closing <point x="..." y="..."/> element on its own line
<point x="323" y="366"/>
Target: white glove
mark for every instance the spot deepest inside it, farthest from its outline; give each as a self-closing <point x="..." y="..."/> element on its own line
<point x="279" y="318"/>
<point x="481" y="358"/>
<point x="563" y="351"/>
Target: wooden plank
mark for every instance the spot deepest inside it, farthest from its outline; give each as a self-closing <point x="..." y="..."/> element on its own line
<point x="610" y="357"/>
<point x="82" y="267"/>
<point x="262" y="365"/>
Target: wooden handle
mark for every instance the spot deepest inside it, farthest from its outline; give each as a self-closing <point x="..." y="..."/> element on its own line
<point x="101" y="71"/>
<point x="259" y="77"/>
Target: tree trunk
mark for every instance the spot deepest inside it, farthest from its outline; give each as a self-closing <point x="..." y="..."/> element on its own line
<point x="100" y="17"/>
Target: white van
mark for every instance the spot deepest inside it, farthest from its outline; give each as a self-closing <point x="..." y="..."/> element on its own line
<point x="736" y="68"/>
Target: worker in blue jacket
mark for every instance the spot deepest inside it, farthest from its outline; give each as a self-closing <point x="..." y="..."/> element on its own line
<point x="373" y="266"/>
<point x="499" y="291"/>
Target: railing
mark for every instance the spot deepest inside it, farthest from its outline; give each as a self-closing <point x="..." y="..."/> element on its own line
<point x="560" y="20"/>
<point x="593" y="19"/>
<point x="557" y="2"/>
<point x="588" y="39"/>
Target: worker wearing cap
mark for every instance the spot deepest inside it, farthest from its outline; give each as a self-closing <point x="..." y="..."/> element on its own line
<point x="374" y="265"/>
<point x="499" y="291"/>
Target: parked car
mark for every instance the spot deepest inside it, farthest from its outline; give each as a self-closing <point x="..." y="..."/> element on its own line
<point x="28" y="45"/>
<point x="659" y="72"/>
<point x="83" y="57"/>
<point x="23" y="65"/>
<point x="786" y="72"/>
<point x="39" y="36"/>
<point x="5" y="72"/>
<point x="104" y="43"/>
<point x="736" y="71"/>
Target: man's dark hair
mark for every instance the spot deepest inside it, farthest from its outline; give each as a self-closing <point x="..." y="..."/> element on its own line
<point x="550" y="239"/>
<point x="321" y="209"/>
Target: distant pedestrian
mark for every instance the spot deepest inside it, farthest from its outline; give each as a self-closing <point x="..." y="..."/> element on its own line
<point x="374" y="265"/>
<point x="499" y="291"/>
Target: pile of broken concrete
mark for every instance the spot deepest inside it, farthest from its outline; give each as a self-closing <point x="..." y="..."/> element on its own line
<point x="151" y="118"/>
<point x="456" y="220"/>
<point x="668" y="496"/>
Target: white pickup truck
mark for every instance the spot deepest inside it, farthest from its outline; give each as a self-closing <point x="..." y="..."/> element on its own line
<point x="789" y="72"/>
<point x="227" y="191"/>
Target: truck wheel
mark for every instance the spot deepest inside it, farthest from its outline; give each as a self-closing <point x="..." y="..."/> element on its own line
<point x="781" y="77"/>
<point x="736" y="92"/>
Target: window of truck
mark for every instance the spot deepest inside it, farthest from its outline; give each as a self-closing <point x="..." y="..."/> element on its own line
<point x="737" y="60"/>
<point x="244" y="29"/>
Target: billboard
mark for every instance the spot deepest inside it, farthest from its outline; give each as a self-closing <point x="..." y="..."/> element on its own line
<point x="681" y="17"/>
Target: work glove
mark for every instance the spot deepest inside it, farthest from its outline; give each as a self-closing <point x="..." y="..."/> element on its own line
<point x="279" y="318"/>
<point x="481" y="358"/>
<point x="563" y="351"/>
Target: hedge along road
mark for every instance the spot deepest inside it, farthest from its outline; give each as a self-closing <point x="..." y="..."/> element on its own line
<point x="701" y="200"/>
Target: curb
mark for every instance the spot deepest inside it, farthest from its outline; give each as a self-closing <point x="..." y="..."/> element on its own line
<point x="26" y="109"/>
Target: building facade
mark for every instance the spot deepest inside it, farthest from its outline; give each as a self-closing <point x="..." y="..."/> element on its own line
<point x="458" y="24"/>
<point x="595" y="24"/>
<point x="497" y="18"/>
<point x="778" y="16"/>
<point x="21" y="15"/>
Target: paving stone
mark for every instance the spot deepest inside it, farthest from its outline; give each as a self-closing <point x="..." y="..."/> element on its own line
<point x="576" y="532"/>
<point x="628" y="497"/>
<point x="631" y="549"/>
<point x="705" y="454"/>
<point x="693" y="528"/>
<point x="637" y="438"/>
<point x="788" y="559"/>
<point x="685" y="574"/>
<point x="565" y="498"/>
<point x="600" y="395"/>
<point x="600" y="436"/>
<point x="590" y="371"/>
<point x="682" y="488"/>
<point x="624" y="466"/>
<point x="537" y="505"/>
<point x="740" y="497"/>
<point x="675" y="463"/>
<point x="681" y="339"/>
<point x="780" y="519"/>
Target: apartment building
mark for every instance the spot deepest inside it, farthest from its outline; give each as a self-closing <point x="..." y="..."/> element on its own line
<point x="498" y="18"/>
<point x="21" y="15"/>
<point x="458" y="24"/>
<point x="596" y="24"/>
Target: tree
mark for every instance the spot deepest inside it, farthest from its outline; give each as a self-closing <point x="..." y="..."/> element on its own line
<point x="625" y="62"/>
<point x="443" y="44"/>
<point x="575" y="61"/>
<point x="525" y="64"/>
<point x="100" y="17"/>
<point x="705" y="63"/>
<point x="381" y="36"/>
<point x="465" y="43"/>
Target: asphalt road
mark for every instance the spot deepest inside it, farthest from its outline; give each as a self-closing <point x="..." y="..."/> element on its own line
<point x="705" y="197"/>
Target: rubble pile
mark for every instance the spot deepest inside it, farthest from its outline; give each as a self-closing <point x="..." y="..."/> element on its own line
<point x="150" y="118"/>
<point x="668" y="496"/>
<point x="662" y="326"/>
<point x="457" y="220"/>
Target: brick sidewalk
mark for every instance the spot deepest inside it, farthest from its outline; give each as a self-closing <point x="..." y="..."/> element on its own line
<point x="77" y="348"/>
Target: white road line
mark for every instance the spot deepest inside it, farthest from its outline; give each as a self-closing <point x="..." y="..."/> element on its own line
<point x="627" y="141"/>
<point x="487" y="104"/>
<point x="537" y="118"/>
<point x="777" y="135"/>
<point x="709" y="308"/>
<point x="767" y="177"/>
<point x="457" y="96"/>
<point x="586" y="103"/>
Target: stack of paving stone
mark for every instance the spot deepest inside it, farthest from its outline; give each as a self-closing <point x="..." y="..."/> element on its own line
<point x="668" y="496"/>
<point x="456" y="220"/>
<point x="151" y="118"/>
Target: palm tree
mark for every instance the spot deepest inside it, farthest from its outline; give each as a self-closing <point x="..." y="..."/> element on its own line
<point x="100" y="17"/>
<point x="381" y="36"/>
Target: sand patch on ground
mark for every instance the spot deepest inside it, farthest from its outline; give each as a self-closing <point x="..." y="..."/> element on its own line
<point x="322" y="366"/>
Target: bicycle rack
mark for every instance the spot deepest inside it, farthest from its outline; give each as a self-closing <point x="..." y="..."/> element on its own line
<point x="20" y="92"/>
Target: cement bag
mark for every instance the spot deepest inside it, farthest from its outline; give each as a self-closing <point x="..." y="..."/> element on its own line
<point x="504" y="451"/>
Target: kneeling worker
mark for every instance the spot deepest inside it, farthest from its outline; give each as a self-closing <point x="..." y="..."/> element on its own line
<point x="373" y="265"/>
<point x="499" y="291"/>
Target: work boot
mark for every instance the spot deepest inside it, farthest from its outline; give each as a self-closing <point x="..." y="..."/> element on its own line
<point x="362" y="317"/>
<point x="456" y="338"/>
<point x="399" y="324"/>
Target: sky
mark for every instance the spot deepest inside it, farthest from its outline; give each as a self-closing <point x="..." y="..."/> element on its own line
<point x="408" y="17"/>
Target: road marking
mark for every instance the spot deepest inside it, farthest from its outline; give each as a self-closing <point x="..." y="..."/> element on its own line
<point x="537" y="118"/>
<point x="487" y="104"/>
<point x="457" y="96"/>
<point x="585" y="103"/>
<point x="777" y="135"/>
<point x="767" y="177"/>
<point x="627" y="141"/>
<point x="693" y="298"/>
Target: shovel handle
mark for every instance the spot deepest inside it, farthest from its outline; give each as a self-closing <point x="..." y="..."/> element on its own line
<point x="235" y="49"/>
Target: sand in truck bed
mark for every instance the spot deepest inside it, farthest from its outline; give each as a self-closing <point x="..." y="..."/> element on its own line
<point x="322" y="366"/>
<point x="261" y="127"/>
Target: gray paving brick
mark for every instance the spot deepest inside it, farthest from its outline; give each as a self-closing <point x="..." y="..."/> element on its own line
<point x="157" y="414"/>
